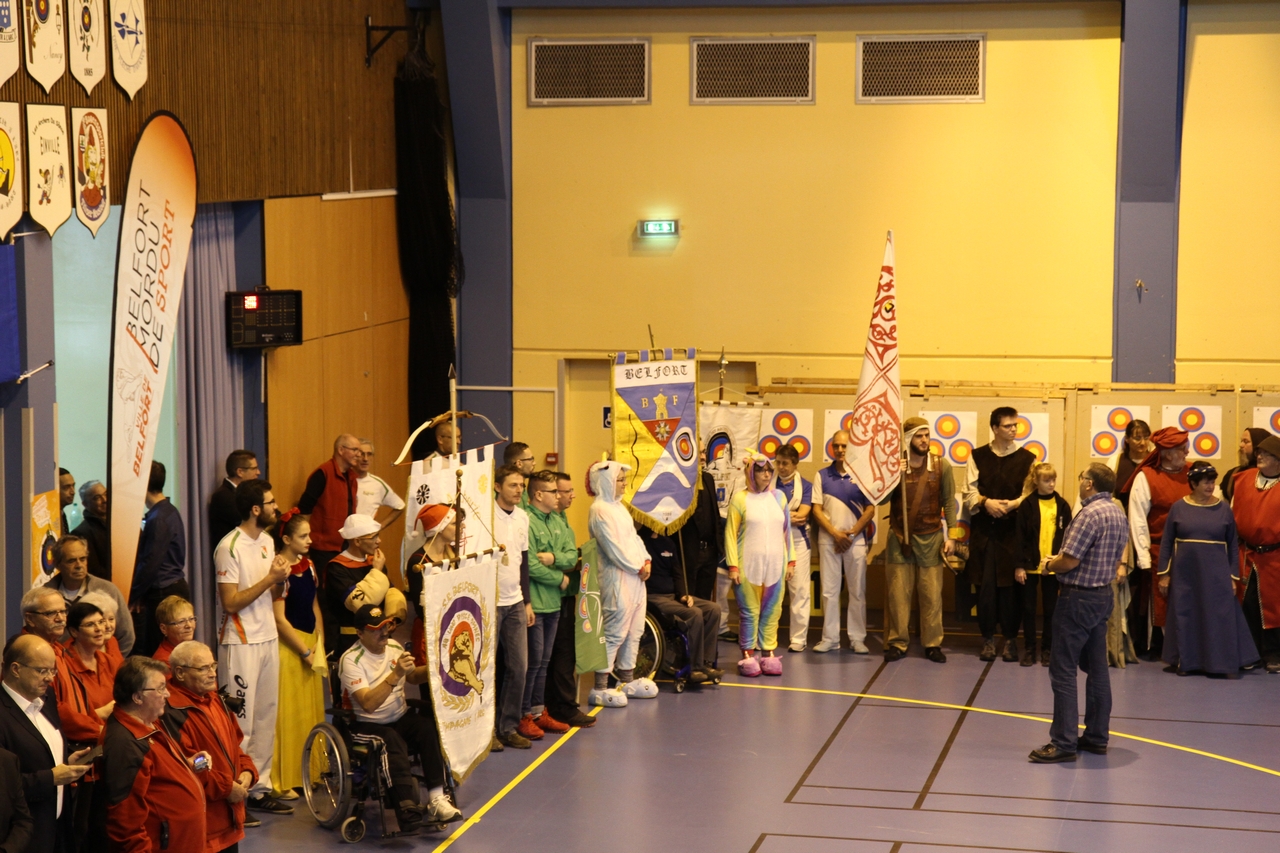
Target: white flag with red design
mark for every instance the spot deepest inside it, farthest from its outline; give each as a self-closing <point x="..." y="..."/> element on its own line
<point x="875" y="441"/>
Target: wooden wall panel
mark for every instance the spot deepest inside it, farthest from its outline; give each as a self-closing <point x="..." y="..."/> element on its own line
<point x="351" y="375"/>
<point x="274" y="94"/>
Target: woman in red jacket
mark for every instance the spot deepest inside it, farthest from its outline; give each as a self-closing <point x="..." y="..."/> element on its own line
<point x="90" y="677"/>
<point x="197" y="719"/>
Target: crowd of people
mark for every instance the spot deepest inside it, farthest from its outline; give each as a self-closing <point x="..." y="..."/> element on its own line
<point x="126" y="732"/>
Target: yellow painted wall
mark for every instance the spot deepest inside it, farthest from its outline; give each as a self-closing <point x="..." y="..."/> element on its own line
<point x="1004" y="211"/>
<point x="1229" y="216"/>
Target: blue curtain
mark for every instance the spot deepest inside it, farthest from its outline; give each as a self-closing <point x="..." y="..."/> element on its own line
<point x="10" y="356"/>
<point x="210" y="395"/>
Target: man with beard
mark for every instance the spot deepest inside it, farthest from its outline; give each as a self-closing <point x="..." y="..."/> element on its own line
<point x="1156" y="484"/>
<point x="248" y="572"/>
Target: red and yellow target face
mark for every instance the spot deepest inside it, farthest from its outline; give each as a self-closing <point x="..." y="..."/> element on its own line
<point x="802" y="446"/>
<point x="1105" y="444"/>
<point x="961" y="451"/>
<point x="1206" y="444"/>
<point x="846" y="423"/>
<point x="684" y="446"/>
<point x="947" y="426"/>
<point x="769" y="445"/>
<point x="1275" y="421"/>
<point x="1119" y="418"/>
<point x="784" y="423"/>
<point x="1037" y="449"/>
<point x="1022" y="428"/>
<point x="963" y="527"/>
<point x="936" y="448"/>
<point x="1191" y="419"/>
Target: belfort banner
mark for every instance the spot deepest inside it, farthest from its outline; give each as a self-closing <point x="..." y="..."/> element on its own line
<point x="155" y="236"/>
<point x="655" y="431"/>
<point x="459" y="615"/>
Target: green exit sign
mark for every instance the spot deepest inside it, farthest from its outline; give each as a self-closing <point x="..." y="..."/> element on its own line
<point x="658" y="228"/>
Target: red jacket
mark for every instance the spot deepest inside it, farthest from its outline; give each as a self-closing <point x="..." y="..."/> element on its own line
<point x="330" y="497"/>
<point x="163" y="650"/>
<point x="152" y="794"/>
<point x="201" y="722"/>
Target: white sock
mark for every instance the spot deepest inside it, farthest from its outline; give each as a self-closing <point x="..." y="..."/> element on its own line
<point x="437" y="791"/>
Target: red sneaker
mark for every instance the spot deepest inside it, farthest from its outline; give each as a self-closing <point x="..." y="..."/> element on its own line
<point x="528" y="728"/>
<point x="548" y="723"/>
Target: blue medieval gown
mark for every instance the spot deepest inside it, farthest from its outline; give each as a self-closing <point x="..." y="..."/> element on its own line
<point x="1205" y="630"/>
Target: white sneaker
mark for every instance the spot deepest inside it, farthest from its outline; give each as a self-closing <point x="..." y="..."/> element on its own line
<point x="440" y="810"/>
<point x="860" y="648"/>
<point x="796" y="648"/>
<point x="641" y="688"/>
<point x="825" y="646"/>
<point x="614" y="698"/>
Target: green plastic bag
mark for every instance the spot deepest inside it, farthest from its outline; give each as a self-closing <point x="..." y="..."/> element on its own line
<point x="588" y="627"/>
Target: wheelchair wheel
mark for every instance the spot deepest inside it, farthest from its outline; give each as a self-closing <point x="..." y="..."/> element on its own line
<point x="652" y="649"/>
<point x="326" y="775"/>
<point x="352" y="830"/>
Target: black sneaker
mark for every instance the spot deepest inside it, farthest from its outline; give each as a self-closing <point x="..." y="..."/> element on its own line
<point x="1044" y="655"/>
<point x="713" y="673"/>
<point x="1050" y="754"/>
<point x="988" y="650"/>
<point x="935" y="654"/>
<point x="579" y="720"/>
<point x="1028" y="657"/>
<point x="697" y="676"/>
<point x="1010" y="651"/>
<point x="250" y="821"/>
<point x="893" y="653"/>
<point x="728" y="636"/>
<point x="271" y="805"/>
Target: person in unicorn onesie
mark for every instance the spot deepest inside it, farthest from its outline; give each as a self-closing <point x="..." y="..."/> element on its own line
<point x="624" y="567"/>
<point x="760" y="555"/>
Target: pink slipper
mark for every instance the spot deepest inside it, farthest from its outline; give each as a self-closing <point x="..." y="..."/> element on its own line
<point x="771" y="665"/>
<point x="749" y="667"/>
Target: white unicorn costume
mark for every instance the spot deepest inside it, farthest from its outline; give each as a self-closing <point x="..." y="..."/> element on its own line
<point x="622" y="558"/>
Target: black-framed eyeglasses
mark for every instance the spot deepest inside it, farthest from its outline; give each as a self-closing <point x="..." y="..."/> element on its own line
<point x="45" y="671"/>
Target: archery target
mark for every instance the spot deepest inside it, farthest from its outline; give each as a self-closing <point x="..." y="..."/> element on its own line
<point x="686" y="447"/>
<point x="769" y="445"/>
<point x="1033" y="434"/>
<point x="1107" y="425"/>
<point x="1267" y="417"/>
<point x="833" y="420"/>
<point x="803" y="446"/>
<point x="953" y="435"/>
<point x="784" y="422"/>
<point x="1204" y="423"/>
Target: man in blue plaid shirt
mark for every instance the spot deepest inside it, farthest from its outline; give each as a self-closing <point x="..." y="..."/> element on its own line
<point x="1086" y="565"/>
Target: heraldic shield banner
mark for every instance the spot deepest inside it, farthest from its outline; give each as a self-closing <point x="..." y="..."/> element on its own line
<point x="435" y="481"/>
<point x="459" y="614"/>
<point x="655" y="431"/>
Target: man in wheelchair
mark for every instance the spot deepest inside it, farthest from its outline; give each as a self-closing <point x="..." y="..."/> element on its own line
<point x="668" y="593"/>
<point x="373" y="674"/>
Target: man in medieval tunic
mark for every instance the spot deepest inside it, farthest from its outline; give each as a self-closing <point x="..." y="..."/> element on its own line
<point x="930" y="489"/>
<point x="1256" y="504"/>
<point x="1156" y="484"/>
<point x="996" y="475"/>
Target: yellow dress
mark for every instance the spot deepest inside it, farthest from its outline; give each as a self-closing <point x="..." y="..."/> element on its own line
<point x="301" y="702"/>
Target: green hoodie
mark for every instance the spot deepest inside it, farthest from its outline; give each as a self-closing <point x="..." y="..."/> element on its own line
<point x="548" y="533"/>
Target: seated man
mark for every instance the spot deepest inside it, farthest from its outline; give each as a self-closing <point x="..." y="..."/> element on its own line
<point x="668" y="593"/>
<point x="373" y="673"/>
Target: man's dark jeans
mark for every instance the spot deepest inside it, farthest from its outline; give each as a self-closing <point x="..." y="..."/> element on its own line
<point x="1080" y="640"/>
<point x="513" y="639"/>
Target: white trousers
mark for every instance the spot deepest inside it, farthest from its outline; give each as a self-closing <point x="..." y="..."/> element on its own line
<point x="723" y="594"/>
<point x="851" y="567"/>
<point x="624" y="625"/>
<point x="252" y="673"/>
<point x="798" y="591"/>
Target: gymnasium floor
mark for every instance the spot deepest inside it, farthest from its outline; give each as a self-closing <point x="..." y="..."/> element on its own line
<point x="804" y="765"/>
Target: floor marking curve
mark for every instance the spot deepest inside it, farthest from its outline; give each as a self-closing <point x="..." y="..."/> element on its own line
<point x="506" y="789"/>
<point x="994" y="712"/>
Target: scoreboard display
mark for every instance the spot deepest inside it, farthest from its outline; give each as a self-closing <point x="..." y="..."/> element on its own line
<point x="264" y="318"/>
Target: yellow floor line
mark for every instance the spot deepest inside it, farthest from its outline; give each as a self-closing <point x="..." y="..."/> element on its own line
<point x="993" y="712"/>
<point x="496" y="798"/>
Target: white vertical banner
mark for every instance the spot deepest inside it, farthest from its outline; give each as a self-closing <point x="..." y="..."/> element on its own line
<point x="155" y="237"/>
<point x="435" y="481"/>
<point x="88" y="42"/>
<point x="726" y="432"/>
<point x="459" y="610"/>
<point x="10" y="52"/>
<point x="92" y="195"/>
<point x="48" y="165"/>
<point x="875" y="440"/>
<point x="129" y="44"/>
<point x="10" y="166"/>
<point x="45" y="42"/>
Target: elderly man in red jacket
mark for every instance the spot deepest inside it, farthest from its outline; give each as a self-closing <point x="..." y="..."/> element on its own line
<point x="155" y="800"/>
<point x="197" y="719"/>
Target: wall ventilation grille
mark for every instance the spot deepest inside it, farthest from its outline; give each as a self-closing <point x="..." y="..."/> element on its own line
<point x="566" y="72"/>
<point x="937" y="69"/>
<point x="752" y="70"/>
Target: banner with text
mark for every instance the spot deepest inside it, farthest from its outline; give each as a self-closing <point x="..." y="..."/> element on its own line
<point x="155" y="236"/>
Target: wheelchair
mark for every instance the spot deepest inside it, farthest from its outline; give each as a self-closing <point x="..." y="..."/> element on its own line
<point x="664" y="650"/>
<point x="344" y="771"/>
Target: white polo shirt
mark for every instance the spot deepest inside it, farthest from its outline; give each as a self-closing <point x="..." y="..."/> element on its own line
<point x="244" y="561"/>
<point x="373" y="492"/>
<point x="512" y="530"/>
<point x="361" y="669"/>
